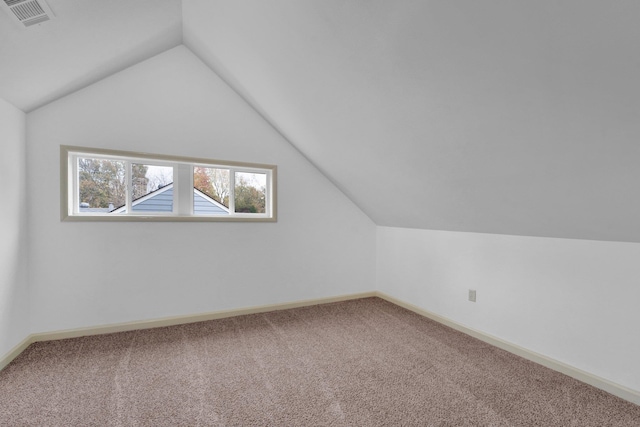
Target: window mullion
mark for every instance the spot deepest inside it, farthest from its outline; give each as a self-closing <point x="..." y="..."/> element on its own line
<point x="128" y="179"/>
<point x="232" y="192"/>
<point x="183" y="184"/>
<point x="75" y="196"/>
<point x="267" y="195"/>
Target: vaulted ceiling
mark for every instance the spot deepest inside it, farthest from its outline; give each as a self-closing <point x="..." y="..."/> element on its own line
<point x="85" y="42"/>
<point x="498" y="116"/>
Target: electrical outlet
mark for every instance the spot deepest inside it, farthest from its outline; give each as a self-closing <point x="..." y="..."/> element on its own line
<point x="472" y="295"/>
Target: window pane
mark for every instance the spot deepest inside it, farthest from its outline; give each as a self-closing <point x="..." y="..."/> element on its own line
<point x="211" y="191"/>
<point x="111" y="185"/>
<point x="152" y="188"/>
<point x="250" y="192"/>
<point x="101" y="185"/>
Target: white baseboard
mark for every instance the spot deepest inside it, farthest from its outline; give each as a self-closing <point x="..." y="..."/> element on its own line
<point x="168" y="321"/>
<point x="15" y="351"/>
<point x="621" y="391"/>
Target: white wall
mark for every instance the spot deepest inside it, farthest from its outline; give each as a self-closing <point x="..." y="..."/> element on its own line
<point x="86" y="274"/>
<point x="14" y="308"/>
<point x="575" y="301"/>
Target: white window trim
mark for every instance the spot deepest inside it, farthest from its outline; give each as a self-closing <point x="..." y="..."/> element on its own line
<point x="182" y="180"/>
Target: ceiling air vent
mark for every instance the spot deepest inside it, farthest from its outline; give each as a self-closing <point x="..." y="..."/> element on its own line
<point x="28" y="12"/>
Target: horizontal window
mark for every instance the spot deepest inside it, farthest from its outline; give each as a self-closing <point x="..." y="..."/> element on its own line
<point x="109" y="185"/>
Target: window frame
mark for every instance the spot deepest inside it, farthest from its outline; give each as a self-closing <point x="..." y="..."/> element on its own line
<point x="182" y="178"/>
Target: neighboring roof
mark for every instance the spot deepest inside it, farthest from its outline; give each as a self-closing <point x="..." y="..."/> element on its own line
<point x="165" y="204"/>
<point x="161" y="200"/>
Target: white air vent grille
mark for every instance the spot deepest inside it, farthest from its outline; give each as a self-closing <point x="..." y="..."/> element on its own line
<point x="29" y="12"/>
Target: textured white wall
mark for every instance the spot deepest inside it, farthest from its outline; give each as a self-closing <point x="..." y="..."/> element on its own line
<point x="575" y="301"/>
<point x="87" y="274"/>
<point x="14" y="309"/>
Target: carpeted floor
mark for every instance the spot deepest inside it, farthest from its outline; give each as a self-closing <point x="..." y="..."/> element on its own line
<point x="358" y="363"/>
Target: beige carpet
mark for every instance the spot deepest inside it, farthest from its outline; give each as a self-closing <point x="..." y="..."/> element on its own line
<point x="357" y="363"/>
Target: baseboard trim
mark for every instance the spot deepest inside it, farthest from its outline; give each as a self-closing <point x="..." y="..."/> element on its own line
<point x="191" y="318"/>
<point x="169" y="321"/>
<point x="15" y="351"/>
<point x="621" y="391"/>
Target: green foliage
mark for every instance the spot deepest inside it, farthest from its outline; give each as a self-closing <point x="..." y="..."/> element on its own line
<point x="212" y="182"/>
<point x="103" y="182"/>
<point x="248" y="198"/>
<point x="201" y="180"/>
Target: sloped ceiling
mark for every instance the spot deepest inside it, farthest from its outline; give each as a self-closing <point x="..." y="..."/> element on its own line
<point x="500" y="116"/>
<point x="88" y="40"/>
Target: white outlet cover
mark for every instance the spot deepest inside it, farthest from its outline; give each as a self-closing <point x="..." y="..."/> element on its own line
<point x="472" y="295"/>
